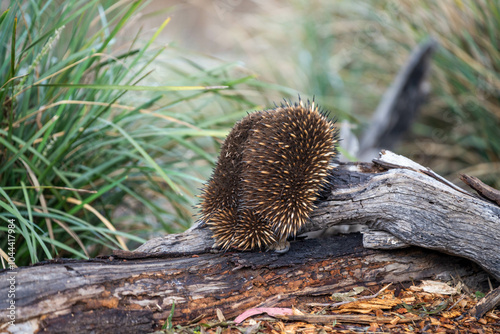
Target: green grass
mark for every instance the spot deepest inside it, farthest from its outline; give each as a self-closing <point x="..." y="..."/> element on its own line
<point x="105" y="137"/>
<point x="91" y="143"/>
<point x="459" y="130"/>
<point x="347" y="54"/>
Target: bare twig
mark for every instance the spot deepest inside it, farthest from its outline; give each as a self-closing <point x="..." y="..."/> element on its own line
<point x="351" y="301"/>
<point x="356" y="319"/>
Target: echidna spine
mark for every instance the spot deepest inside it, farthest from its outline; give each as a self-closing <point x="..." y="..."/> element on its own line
<point x="270" y="170"/>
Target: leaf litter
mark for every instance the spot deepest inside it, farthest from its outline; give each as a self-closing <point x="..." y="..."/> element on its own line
<point x="430" y="307"/>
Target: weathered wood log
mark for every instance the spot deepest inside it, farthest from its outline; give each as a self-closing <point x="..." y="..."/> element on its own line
<point x="398" y="196"/>
<point x="418" y="207"/>
<point x="490" y="301"/>
<point x="482" y="189"/>
<point x="135" y="295"/>
<point x="134" y="291"/>
<point x="399" y="107"/>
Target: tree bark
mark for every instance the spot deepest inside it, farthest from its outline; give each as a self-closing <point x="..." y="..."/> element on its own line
<point x="136" y="295"/>
<point x="410" y="202"/>
<point x="418" y="207"/>
<point x="133" y="292"/>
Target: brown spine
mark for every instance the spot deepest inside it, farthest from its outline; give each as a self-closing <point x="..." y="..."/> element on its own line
<point x="271" y="167"/>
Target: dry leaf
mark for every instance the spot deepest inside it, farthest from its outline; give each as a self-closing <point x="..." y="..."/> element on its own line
<point x="347" y="296"/>
<point x="451" y="314"/>
<point x="463" y="303"/>
<point x="220" y="316"/>
<point x="408" y="300"/>
<point x="492" y="315"/>
<point x="438" y="287"/>
<point x="402" y="310"/>
<point x="373" y="327"/>
<point x="252" y="328"/>
<point x="269" y="310"/>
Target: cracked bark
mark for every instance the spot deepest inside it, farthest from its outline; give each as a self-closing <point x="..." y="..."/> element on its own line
<point x="133" y="292"/>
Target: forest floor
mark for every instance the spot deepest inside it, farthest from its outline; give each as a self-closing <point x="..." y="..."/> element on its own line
<point x="426" y="307"/>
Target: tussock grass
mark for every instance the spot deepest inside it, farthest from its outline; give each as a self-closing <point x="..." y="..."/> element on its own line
<point x="91" y="142"/>
<point x="460" y="129"/>
<point x="103" y="131"/>
<point x="347" y="53"/>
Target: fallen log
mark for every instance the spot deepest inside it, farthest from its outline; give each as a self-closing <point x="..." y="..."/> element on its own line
<point x="418" y="207"/>
<point x="131" y="292"/>
<point x="136" y="295"/>
<point x="411" y="203"/>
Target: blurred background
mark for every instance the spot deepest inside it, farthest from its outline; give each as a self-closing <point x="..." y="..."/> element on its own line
<point x="132" y="100"/>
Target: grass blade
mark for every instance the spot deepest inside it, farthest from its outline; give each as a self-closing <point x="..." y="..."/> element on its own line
<point x="133" y="88"/>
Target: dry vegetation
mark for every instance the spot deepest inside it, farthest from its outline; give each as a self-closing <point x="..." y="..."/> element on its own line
<point x="429" y="307"/>
<point x="345" y="53"/>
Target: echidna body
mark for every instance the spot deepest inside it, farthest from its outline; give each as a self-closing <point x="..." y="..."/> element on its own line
<point x="286" y="163"/>
<point x="221" y="195"/>
<point x="270" y="170"/>
<point x="222" y="190"/>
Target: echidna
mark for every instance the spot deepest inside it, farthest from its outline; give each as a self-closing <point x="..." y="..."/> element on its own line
<point x="271" y="167"/>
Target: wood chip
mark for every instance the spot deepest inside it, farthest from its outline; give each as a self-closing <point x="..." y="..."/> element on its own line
<point x="438" y="287"/>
